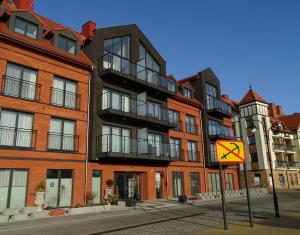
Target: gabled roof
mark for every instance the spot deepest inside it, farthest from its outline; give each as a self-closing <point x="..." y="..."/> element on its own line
<point x="291" y="121"/>
<point x="252" y="96"/>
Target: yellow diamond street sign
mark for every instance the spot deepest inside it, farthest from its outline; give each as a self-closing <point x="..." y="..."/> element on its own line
<point x="230" y="151"/>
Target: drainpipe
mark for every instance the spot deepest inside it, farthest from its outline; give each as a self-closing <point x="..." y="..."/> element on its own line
<point x="167" y="181"/>
<point x="203" y="153"/>
<point x="87" y="137"/>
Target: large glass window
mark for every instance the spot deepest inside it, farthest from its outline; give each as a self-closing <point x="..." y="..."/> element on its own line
<point x="174" y="116"/>
<point x="64" y="93"/>
<point x="212" y="153"/>
<point x="62" y="135"/>
<point x="117" y="54"/>
<point x="20" y="82"/>
<point x="211" y="96"/>
<point x="155" y="142"/>
<point x="187" y="93"/>
<point x="213" y="127"/>
<point x="115" y="100"/>
<point x="26" y="28"/>
<point x="147" y="68"/>
<point x="195" y="183"/>
<point x="115" y="139"/>
<point x="16" y="129"/>
<point x="229" y="182"/>
<point x="190" y="124"/>
<point x="175" y="148"/>
<point x="210" y="90"/>
<point x="67" y="44"/>
<point x="154" y="110"/>
<point x="214" y="182"/>
<point x="177" y="178"/>
<point x="192" y="151"/>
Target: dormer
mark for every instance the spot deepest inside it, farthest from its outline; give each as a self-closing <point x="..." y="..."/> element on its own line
<point x="187" y="90"/>
<point x="65" y="40"/>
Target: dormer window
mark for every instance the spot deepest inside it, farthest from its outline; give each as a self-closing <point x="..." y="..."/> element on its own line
<point x="187" y="93"/>
<point x="26" y="28"/>
<point x="67" y="44"/>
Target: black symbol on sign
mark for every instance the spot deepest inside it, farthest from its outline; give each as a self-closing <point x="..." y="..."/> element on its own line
<point x="236" y="147"/>
<point x="52" y="185"/>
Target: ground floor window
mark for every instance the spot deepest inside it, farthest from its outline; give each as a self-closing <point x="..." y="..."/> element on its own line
<point x="158" y="185"/>
<point x="13" y="188"/>
<point x="214" y="182"/>
<point x="229" y="182"/>
<point x="296" y="179"/>
<point x="281" y="179"/>
<point x="177" y="178"/>
<point x="127" y="185"/>
<point x="257" y="179"/>
<point x="195" y="183"/>
<point x="96" y="186"/>
<point x="59" y="188"/>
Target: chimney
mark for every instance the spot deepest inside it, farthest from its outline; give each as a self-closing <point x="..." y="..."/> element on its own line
<point x="88" y="29"/>
<point x="24" y="4"/>
<point x="279" y="110"/>
<point x="273" y="110"/>
<point x="225" y="96"/>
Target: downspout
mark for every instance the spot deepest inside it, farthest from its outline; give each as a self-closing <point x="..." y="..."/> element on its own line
<point x="87" y="138"/>
<point x="203" y="153"/>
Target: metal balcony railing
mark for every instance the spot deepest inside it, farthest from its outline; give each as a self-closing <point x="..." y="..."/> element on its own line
<point x="20" y="88"/>
<point x="11" y="137"/>
<point x="65" y="99"/>
<point x="279" y="147"/>
<point x="214" y="104"/>
<point x="220" y="131"/>
<point x="193" y="156"/>
<point x="291" y="148"/>
<point x="280" y="164"/>
<point x="136" y="71"/>
<point x="293" y="164"/>
<point x="191" y="129"/>
<point x="63" y="142"/>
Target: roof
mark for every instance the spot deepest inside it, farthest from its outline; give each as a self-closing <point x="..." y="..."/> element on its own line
<point x="234" y="104"/>
<point x="291" y="121"/>
<point x="43" y="45"/>
<point x="252" y="96"/>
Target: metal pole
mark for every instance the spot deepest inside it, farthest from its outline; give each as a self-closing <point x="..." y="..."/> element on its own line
<point x="275" y="200"/>
<point x="223" y="198"/>
<point x="248" y="196"/>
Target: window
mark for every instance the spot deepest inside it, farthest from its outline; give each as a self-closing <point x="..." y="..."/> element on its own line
<point x="62" y="135"/>
<point x="212" y="152"/>
<point x="251" y="139"/>
<point x="64" y="93"/>
<point x="210" y="90"/>
<point x="296" y="179"/>
<point x="213" y="127"/>
<point x="177" y="178"/>
<point x="192" y="151"/>
<point x="117" y="54"/>
<point x="195" y="183"/>
<point x="16" y="129"/>
<point x="20" y="82"/>
<point x="26" y="28"/>
<point x="291" y="179"/>
<point x="173" y="116"/>
<point x="115" y="139"/>
<point x="147" y="68"/>
<point x="175" y="148"/>
<point x="229" y="182"/>
<point x="115" y="100"/>
<point x="253" y="157"/>
<point x="214" y="182"/>
<point x="187" y="93"/>
<point x="155" y="143"/>
<point x="257" y="180"/>
<point x="249" y="123"/>
<point x="154" y="110"/>
<point x="67" y="44"/>
<point x="190" y="124"/>
<point x="211" y="96"/>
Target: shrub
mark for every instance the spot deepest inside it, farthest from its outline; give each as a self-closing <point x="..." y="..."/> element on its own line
<point x="41" y="187"/>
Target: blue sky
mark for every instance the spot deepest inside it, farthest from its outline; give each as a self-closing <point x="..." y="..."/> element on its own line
<point x="243" y="41"/>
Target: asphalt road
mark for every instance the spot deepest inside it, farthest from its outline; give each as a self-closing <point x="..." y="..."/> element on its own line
<point x="179" y="219"/>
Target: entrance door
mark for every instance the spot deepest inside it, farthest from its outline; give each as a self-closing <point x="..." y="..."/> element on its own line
<point x="177" y="184"/>
<point x="13" y="187"/>
<point x="127" y="185"/>
<point x="59" y="188"/>
<point x="96" y="186"/>
<point x="158" y="185"/>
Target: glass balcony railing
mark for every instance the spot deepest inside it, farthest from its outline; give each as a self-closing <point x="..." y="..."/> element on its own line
<point x="125" y="145"/>
<point x="136" y="71"/>
<point x="141" y="109"/>
<point x="214" y="104"/>
<point x="221" y="131"/>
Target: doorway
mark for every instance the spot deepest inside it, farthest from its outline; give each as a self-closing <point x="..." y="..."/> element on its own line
<point x="127" y="185"/>
<point x="177" y="184"/>
<point x="158" y="184"/>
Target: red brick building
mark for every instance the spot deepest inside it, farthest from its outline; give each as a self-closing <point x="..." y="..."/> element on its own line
<point x="44" y="81"/>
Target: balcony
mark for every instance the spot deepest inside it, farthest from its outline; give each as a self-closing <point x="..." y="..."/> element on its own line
<point x="217" y="107"/>
<point x="220" y="132"/>
<point x="113" y="66"/>
<point x="66" y="99"/>
<point x="13" y="138"/>
<point x="293" y="165"/>
<point x="291" y="148"/>
<point x="121" y="147"/>
<point x="287" y="164"/>
<point x="279" y="147"/>
<point x="280" y="164"/>
<point x="20" y="89"/>
<point x="135" y="111"/>
<point x="62" y="142"/>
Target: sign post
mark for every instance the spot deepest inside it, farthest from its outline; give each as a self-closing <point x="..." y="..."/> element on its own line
<point x="232" y="152"/>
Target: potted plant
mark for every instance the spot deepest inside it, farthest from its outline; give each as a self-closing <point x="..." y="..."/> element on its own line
<point x="113" y="199"/>
<point x="109" y="182"/>
<point x="40" y="195"/>
<point x="90" y="198"/>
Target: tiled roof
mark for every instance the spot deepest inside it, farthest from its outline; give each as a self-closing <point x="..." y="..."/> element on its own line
<point x="291" y="121"/>
<point x="252" y="96"/>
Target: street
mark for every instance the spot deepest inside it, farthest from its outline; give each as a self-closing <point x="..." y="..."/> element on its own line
<point x="179" y="219"/>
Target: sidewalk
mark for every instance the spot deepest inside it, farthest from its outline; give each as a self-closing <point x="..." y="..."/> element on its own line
<point x="287" y="224"/>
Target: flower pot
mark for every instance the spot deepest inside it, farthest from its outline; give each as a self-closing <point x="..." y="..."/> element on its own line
<point x="90" y="202"/>
<point x="39" y="200"/>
